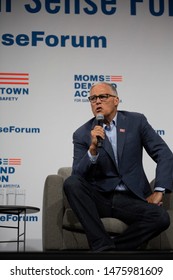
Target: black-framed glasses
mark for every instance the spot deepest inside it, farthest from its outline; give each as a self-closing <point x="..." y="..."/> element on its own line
<point x="102" y="97"/>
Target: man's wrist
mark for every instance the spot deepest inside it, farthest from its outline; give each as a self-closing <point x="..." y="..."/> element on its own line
<point x="93" y="150"/>
<point x="93" y="158"/>
<point x="159" y="189"/>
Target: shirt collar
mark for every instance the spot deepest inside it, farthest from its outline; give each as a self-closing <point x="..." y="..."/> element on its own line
<point x="113" y="122"/>
<point x="115" y="119"/>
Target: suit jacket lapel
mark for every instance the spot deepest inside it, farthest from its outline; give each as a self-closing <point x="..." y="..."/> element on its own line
<point x="122" y="124"/>
<point x="108" y="148"/>
<point x="106" y="144"/>
<point x="121" y="133"/>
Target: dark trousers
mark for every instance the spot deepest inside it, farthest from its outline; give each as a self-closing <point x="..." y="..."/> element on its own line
<point x="144" y="220"/>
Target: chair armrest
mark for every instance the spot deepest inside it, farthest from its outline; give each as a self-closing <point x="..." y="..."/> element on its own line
<point x="168" y="201"/>
<point x="52" y="216"/>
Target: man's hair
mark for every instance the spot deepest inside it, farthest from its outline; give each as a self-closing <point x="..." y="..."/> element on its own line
<point x="112" y="86"/>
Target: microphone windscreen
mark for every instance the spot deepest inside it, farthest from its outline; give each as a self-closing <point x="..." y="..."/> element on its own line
<point x="100" y="119"/>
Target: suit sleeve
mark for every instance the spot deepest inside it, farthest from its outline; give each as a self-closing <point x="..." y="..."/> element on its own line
<point x="81" y="161"/>
<point x="159" y="151"/>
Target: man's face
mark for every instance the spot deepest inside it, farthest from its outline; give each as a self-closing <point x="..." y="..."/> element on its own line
<point x="107" y="107"/>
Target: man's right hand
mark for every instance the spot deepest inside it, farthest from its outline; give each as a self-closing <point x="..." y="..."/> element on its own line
<point x="97" y="131"/>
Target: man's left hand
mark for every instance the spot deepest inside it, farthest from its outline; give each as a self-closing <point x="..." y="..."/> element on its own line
<point x="155" y="198"/>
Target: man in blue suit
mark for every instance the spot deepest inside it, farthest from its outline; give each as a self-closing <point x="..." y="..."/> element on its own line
<point x="108" y="179"/>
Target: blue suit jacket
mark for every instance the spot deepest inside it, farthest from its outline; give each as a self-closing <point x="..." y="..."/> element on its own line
<point x="133" y="134"/>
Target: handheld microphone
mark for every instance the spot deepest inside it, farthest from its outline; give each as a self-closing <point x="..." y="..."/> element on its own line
<point x="100" y="120"/>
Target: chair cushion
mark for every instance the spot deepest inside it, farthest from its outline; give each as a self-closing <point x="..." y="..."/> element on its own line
<point x="112" y="225"/>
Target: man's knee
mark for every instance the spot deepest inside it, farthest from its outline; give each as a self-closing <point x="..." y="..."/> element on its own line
<point x="162" y="221"/>
<point x="74" y="185"/>
<point x="165" y="220"/>
<point x="70" y="183"/>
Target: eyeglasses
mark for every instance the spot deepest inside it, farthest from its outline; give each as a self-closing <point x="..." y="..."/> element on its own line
<point x="102" y="97"/>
